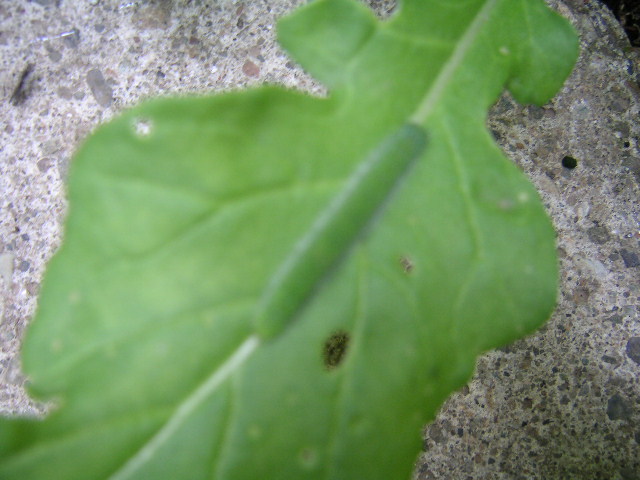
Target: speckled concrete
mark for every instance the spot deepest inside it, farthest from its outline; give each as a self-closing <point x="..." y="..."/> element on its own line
<point x="562" y="404"/>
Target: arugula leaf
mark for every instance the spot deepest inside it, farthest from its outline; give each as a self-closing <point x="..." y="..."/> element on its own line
<point x="263" y="284"/>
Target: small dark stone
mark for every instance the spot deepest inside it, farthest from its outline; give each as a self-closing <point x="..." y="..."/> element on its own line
<point x="44" y="164"/>
<point x="615" y="319"/>
<point x="609" y="359"/>
<point x="630" y="258"/>
<point x="618" y="408"/>
<point x="436" y="433"/>
<point x="497" y="136"/>
<point x="251" y="69"/>
<point x="581" y="295"/>
<point x="536" y="112"/>
<point x="24" y="266"/>
<point x="620" y="104"/>
<point x="633" y="349"/>
<point x="101" y="90"/>
<point x="598" y="234"/>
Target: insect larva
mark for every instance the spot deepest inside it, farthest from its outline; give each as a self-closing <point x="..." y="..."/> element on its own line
<point x="337" y="228"/>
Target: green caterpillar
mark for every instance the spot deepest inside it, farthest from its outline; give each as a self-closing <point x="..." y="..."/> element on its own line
<point x="337" y="227"/>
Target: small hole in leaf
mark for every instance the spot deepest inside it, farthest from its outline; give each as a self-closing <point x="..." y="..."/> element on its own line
<point x="142" y="127"/>
<point x="569" y="162"/>
<point x="334" y="349"/>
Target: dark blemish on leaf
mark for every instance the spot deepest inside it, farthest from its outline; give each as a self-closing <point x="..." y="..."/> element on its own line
<point x="569" y="162"/>
<point x="407" y="264"/>
<point x="334" y="349"/>
<point x="22" y="88"/>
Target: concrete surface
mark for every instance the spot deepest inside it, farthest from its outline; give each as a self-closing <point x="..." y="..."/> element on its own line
<point x="561" y="404"/>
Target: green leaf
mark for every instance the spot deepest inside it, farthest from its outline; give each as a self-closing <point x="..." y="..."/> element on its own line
<point x="264" y="284"/>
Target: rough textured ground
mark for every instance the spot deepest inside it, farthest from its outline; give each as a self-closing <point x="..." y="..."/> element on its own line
<point x="562" y="404"/>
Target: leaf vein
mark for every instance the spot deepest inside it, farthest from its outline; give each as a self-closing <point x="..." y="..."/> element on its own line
<point x="226" y="432"/>
<point x="130" y="335"/>
<point x="449" y="69"/>
<point x="339" y="410"/>
<point x="186" y="408"/>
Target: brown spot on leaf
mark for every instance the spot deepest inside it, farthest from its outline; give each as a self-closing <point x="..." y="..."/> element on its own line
<point x="407" y="264"/>
<point x="335" y="348"/>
